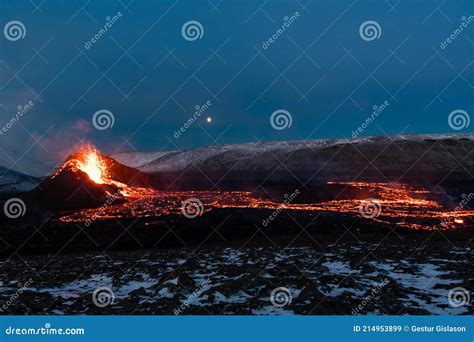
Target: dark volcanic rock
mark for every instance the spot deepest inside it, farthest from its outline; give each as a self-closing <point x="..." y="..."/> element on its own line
<point x="175" y="231"/>
<point x="71" y="189"/>
<point x="410" y="276"/>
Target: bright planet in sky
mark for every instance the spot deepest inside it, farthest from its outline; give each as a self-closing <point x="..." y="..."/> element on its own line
<point x="209" y="119"/>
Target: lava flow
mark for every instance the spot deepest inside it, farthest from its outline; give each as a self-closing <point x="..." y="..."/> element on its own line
<point x="394" y="204"/>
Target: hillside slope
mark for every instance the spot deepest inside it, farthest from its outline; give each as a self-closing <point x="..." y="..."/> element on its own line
<point x="425" y="158"/>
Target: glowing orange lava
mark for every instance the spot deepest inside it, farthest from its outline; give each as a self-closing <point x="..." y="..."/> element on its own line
<point x="397" y="204"/>
<point x="93" y="166"/>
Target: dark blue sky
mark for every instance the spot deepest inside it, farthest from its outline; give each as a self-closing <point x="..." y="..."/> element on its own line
<point x="150" y="78"/>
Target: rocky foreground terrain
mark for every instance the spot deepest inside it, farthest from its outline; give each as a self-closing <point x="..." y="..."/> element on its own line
<point x="394" y="277"/>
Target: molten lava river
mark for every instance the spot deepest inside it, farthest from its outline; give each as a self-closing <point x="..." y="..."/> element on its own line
<point x="398" y="204"/>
